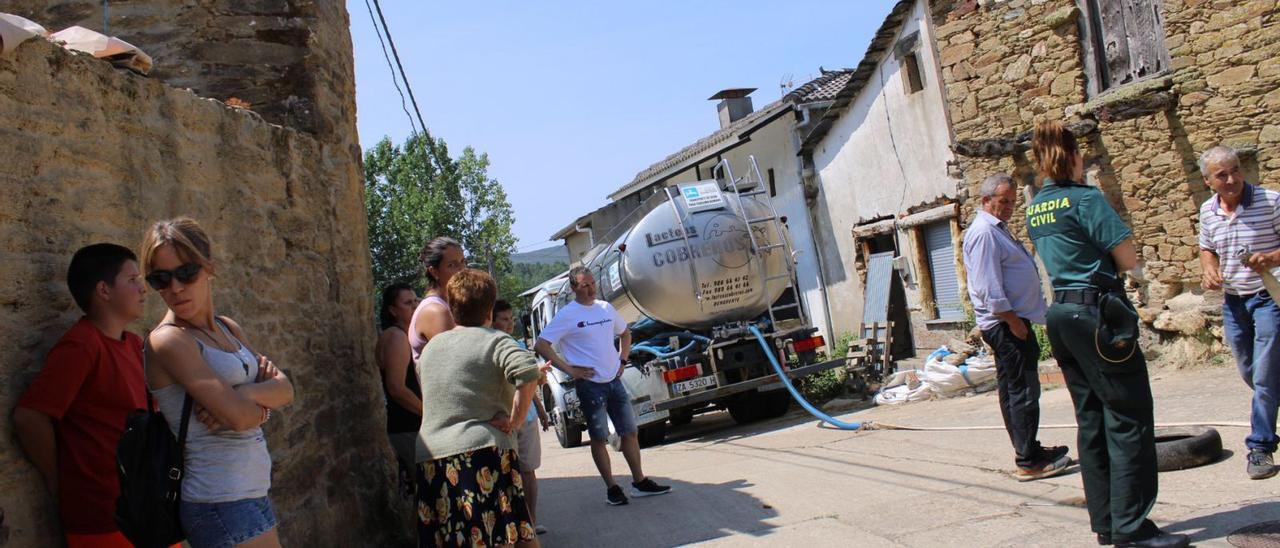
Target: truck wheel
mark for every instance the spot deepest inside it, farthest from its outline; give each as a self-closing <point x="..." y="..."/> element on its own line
<point x="745" y="410"/>
<point x="653" y="434"/>
<point x="569" y="436"/>
<point x="1181" y="448"/>
<point x="681" y="417"/>
<point x="774" y="404"/>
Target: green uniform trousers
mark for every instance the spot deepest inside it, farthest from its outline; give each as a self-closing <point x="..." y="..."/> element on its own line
<point x="1116" y="425"/>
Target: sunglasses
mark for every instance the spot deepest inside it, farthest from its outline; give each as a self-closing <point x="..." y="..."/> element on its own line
<point x="160" y="280"/>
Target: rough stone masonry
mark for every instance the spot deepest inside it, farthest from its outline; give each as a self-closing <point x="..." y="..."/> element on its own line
<point x="91" y="153"/>
<point x="1008" y="63"/>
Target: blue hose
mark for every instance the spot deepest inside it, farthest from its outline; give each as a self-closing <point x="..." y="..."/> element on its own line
<point x="795" y="394"/>
<point x="661" y="354"/>
<point x="685" y="334"/>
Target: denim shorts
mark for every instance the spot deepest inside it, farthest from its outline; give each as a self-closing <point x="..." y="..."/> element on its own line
<point x="603" y="402"/>
<point x="225" y="524"/>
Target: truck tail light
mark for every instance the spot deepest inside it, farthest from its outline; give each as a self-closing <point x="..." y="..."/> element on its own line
<point x="809" y="345"/>
<point x="683" y="373"/>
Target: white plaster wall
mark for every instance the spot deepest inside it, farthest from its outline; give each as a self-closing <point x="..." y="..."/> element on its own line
<point x="578" y="244"/>
<point x="886" y="153"/>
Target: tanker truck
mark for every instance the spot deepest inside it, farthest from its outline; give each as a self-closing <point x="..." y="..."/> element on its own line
<point x="704" y="262"/>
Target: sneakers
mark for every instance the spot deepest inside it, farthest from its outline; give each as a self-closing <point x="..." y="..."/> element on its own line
<point x="643" y="488"/>
<point x="1261" y="465"/>
<point x="540" y="530"/>
<point x="1053" y="453"/>
<point x="1046" y="469"/>
<point x="648" y="488"/>
<point x="615" y="496"/>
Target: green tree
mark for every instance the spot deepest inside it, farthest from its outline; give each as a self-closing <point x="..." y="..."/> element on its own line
<point x="415" y="192"/>
<point x="485" y="227"/>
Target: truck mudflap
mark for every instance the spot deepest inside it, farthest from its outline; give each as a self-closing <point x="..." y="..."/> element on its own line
<point x="761" y="382"/>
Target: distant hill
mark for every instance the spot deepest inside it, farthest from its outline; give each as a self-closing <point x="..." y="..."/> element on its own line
<point x="550" y="255"/>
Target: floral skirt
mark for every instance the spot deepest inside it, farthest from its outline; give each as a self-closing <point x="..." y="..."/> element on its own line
<point x="472" y="499"/>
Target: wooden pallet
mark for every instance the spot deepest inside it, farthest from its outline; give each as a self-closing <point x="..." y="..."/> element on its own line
<point x="870" y="353"/>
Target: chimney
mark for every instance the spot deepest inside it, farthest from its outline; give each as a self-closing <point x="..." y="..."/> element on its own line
<point x="734" y="105"/>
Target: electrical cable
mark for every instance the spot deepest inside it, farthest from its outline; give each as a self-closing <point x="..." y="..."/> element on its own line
<point x="395" y="81"/>
<point x="403" y="75"/>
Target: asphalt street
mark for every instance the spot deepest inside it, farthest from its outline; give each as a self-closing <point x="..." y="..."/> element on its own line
<point x="790" y="482"/>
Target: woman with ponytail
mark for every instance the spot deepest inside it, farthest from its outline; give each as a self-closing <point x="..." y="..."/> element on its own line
<point x="1092" y="327"/>
<point x="439" y="260"/>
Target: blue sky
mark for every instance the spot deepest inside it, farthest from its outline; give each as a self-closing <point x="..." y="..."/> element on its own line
<point x="572" y="99"/>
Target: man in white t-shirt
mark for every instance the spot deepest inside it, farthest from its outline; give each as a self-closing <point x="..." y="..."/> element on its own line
<point x="585" y="330"/>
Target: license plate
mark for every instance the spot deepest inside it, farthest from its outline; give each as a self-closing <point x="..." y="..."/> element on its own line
<point x="694" y="384"/>
<point x="645" y="408"/>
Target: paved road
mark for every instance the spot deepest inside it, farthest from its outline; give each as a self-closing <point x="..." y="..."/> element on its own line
<point x="790" y="483"/>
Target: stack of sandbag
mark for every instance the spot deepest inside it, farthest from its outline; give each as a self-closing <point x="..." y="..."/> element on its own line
<point x="941" y="378"/>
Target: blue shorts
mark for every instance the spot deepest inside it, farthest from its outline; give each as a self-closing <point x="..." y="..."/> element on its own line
<point x="602" y="402"/>
<point x="225" y="524"/>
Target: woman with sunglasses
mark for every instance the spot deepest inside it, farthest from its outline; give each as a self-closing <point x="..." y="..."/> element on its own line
<point x="195" y="354"/>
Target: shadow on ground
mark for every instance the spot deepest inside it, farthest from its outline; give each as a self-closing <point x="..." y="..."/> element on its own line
<point x="575" y="514"/>
<point x="1220" y="525"/>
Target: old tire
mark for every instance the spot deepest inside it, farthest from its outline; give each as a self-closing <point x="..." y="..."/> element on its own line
<point x="1186" y="447"/>
<point x="568" y="435"/>
<point x="652" y="434"/>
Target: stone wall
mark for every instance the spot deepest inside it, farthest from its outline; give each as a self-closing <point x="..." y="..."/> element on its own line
<point x="290" y="60"/>
<point x="91" y="153"/>
<point x="1008" y="63"/>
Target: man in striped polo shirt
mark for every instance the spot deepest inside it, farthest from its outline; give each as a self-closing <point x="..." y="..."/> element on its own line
<point x="1240" y="237"/>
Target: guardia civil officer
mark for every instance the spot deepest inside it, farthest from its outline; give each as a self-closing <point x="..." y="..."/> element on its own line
<point x="1093" y="332"/>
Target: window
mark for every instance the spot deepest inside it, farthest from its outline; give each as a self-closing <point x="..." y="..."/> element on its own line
<point x="1123" y="41"/>
<point x="773" y="185"/>
<point x="912" y="80"/>
<point x="905" y="51"/>
<point x="940" y="257"/>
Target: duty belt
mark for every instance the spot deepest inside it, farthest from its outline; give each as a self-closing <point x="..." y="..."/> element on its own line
<point x="1077" y="296"/>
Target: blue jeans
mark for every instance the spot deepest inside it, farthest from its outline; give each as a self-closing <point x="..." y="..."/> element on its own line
<point x="1251" y="322"/>
<point x="225" y="524"/>
<point x="604" y="401"/>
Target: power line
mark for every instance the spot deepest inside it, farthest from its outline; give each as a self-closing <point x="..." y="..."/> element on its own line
<point x="413" y="129"/>
<point x="396" y="54"/>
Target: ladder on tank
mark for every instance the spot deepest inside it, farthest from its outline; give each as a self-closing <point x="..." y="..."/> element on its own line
<point x="743" y="188"/>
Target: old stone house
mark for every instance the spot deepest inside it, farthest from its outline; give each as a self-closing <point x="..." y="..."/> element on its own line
<point x="92" y="153"/>
<point x="1147" y="85"/>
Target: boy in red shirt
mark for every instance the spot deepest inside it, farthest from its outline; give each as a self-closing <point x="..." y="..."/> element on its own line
<point x="72" y="416"/>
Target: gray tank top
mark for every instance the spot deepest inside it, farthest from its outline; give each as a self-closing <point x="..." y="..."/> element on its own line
<point x="221" y="466"/>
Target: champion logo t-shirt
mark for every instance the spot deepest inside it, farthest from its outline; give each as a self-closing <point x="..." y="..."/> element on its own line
<point x="585" y="335"/>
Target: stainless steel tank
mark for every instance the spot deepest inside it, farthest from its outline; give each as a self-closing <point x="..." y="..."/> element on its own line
<point x="699" y="275"/>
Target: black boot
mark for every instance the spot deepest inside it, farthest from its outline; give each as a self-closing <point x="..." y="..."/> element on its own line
<point x="1161" y="540"/>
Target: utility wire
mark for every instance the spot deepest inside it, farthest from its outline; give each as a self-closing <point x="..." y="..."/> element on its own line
<point x="396" y="55"/>
<point x="413" y="129"/>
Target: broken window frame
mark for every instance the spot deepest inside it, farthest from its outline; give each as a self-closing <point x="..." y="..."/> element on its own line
<point x="1144" y="39"/>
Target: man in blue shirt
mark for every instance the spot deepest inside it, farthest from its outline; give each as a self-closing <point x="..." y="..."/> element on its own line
<point x="1004" y="287"/>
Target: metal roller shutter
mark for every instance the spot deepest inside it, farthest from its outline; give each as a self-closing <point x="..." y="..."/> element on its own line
<point x="942" y="266"/>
